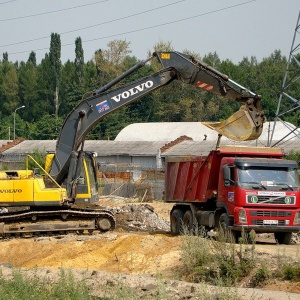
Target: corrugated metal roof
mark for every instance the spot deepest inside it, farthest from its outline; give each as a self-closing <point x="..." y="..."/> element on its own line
<point x="195" y="148"/>
<point x="155" y="136"/>
<point x="28" y="146"/>
<point x="102" y="147"/>
<point x="133" y="148"/>
<point x="144" y="148"/>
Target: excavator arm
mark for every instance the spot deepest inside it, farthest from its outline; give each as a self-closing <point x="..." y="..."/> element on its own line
<point x="246" y="124"/>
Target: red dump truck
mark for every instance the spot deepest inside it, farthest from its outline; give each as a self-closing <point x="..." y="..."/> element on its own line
<point x="236" y="188"/>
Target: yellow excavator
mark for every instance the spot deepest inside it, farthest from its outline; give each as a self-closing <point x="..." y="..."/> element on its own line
<point x="63" y="197"/>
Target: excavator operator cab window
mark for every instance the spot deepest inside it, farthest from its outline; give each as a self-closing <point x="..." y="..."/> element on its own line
<point x="37" y="172"/>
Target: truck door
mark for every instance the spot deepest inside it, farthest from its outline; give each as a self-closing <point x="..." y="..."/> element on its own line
<point x="227" y="183"/>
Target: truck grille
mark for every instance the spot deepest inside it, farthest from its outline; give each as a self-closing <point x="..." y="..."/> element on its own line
<point x="270" y="199"/>
<point x="261" y="222"/>
<point x="267" y="213"/>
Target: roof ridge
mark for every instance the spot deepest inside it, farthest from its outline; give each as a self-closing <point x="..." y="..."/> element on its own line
<point x="175" y="142"/>
<point x="11" y="144"/>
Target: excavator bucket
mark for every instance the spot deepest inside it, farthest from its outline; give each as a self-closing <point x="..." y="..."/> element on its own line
<point x="238" y="127"/>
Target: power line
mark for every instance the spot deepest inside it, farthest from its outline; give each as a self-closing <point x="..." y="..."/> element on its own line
<point x="91" y="26"/>
<point x="7" y="2"/>
<point x="50" y="12"/>
<point x="145" y="28"/>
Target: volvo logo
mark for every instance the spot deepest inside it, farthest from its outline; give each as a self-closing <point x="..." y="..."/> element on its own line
<point x="135" y="90"/>
<point x="11" y="191"/>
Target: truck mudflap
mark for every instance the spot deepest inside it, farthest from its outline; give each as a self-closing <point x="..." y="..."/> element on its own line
<point x="61" y="221"/>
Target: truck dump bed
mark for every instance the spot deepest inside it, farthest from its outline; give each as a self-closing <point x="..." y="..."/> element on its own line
<point x="195" y="179"/>
<point x="191" y="179"/>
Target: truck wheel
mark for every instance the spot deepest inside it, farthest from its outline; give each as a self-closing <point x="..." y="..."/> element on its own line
<point x="188" y="222"/>
<point x="176" y="221"/>
<point x="224" y="221"/>
<point x="283" y="237"/>
<point x="229" y="236"/>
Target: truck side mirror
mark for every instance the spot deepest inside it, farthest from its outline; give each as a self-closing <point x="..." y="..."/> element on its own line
<point x="226" y="175"/>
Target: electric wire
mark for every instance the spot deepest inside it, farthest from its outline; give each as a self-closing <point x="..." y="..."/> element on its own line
<point x="96" y="25"/>
<point x="7" y="2"/>
<point x="143" y="29"/>
<point x="51" y="12"/>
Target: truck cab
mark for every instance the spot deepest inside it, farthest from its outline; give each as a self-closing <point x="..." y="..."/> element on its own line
<point x="235" y="188"/>
<point x="260" y="194"/>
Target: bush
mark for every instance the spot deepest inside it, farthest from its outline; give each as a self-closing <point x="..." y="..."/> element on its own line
<point x="261" y="275"/>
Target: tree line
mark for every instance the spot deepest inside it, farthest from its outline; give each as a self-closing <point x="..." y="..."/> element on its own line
<point x="51" y="89"/>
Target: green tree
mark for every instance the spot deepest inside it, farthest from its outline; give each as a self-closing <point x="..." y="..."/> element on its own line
<point x="79" y="60"/>
<point x="55" y="62"/>
<point x="28" y="90"/>
<point x="32" y="58"/>
<point x="44" y="88"/>
<point x="5" y="57"/>
<point x="9" y="89"/>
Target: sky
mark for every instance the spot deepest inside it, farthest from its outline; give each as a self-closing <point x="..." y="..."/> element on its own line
<point x="234" y="29"/>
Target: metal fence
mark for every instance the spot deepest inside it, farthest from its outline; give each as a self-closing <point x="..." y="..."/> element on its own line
<point x="13" y="162"/>
<point x="131" y="181"/>
<point x="124" y="180"/>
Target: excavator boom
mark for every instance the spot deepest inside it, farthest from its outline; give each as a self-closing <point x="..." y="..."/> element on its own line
<point x="246" y="124"/>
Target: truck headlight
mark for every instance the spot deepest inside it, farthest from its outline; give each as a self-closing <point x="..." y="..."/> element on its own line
<point x="297" y="218"/>
<point x="242" y="216"/>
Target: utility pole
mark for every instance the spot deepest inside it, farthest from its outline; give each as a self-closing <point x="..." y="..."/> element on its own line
<point x="15" y="120"/>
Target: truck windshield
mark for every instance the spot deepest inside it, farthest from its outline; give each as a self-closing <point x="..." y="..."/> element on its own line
<point x="284" y="178"/>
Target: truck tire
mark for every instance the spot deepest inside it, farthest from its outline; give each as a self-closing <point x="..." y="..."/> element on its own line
<point x="283" y="237"/>
<point x="176" y="221"/>
<point x="188" y="222"/>
<point x="230" y="236"/>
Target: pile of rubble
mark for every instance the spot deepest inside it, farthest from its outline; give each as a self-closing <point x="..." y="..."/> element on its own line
<point x="141" y="217"/>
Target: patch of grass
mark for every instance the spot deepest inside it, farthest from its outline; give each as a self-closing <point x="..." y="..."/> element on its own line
<point x="119" y="291"/>
<point x="261" y="275"/>
<point x="291" y="272"/>
<point x="287" y="269"/>
<point x="21" y="287"/>
<point x="217" y="261"/>
<point x="220" y="293"/>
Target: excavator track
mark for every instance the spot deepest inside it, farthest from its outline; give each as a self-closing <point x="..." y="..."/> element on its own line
<point x="52" y="222"/>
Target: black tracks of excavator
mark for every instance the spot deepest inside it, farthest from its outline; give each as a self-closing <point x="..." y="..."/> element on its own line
<point x="53" y="222"/>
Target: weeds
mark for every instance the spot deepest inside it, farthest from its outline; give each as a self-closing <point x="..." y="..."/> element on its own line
<point x="222" y="262"/>
<point x="291" y="272"/>
<point x="21" y="287"/>
<point x="119" y="291"/>
<point x="218" y="261"/>
<point x="261" y="275"/>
